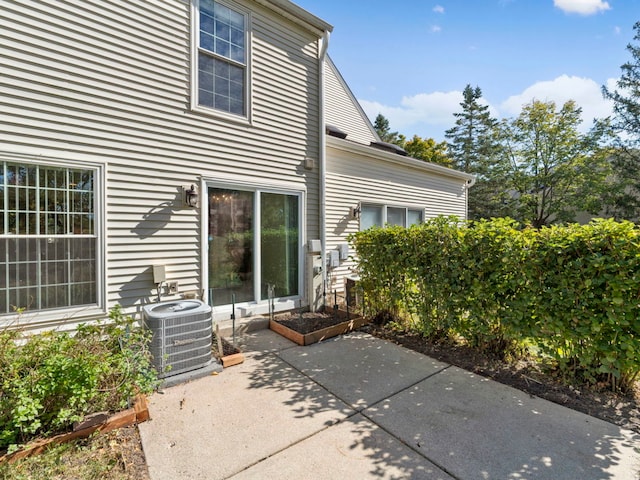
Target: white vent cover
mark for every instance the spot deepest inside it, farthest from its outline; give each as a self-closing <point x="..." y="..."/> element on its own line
<point x="181" y="335"/>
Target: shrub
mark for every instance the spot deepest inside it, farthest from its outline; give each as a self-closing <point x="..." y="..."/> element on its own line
<point x="571" y="291"/>
<point x="52" y="379"/>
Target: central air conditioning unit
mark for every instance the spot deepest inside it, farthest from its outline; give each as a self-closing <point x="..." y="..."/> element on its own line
<point x="182" y="335"/>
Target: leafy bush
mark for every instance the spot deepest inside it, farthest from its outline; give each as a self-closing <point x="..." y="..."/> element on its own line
<point x="50" y="380"/>
<point x="573" y="292"/>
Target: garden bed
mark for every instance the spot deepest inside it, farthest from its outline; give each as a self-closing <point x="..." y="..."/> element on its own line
<point x="137" y="414"/>
<point x="226" y="352"/>
<point x="311" y="327"/>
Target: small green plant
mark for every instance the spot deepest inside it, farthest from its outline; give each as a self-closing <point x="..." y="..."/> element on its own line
<point x="50" y="380"/>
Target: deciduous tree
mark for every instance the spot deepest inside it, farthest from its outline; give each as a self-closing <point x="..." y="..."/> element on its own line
<point x="429" y="150"/>
<point x="554" y="170"/>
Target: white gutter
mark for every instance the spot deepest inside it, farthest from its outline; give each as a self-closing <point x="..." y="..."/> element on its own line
<point x="322" y="163"/>
<point x="376" y="153"/>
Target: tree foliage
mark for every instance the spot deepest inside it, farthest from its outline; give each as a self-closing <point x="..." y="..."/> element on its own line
<point x="624" y="201"/>
<point x="426" y="149"/>
<point x="429" y="150"/>
<point x="554" y="171"/>
<point x="381" y="125"/>
<point x="473" y="146"/>
<point x="472" y="140"/>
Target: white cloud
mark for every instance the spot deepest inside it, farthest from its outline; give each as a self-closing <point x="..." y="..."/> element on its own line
<point x="438" y="9"/>
<point x="583" y="7"/>
<point x="435" y="29"/>
<point x="424" y="114"/>
<point x="584" y="91"/>
<point x="617" y="30"/>
<point x="430" y="114"/>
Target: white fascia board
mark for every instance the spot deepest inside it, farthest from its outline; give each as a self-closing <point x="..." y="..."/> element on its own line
<point x="367" y="151"/>
<point x="298" y="15"/>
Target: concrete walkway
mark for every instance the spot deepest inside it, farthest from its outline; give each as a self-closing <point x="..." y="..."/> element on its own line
<point x="358" y="407"/>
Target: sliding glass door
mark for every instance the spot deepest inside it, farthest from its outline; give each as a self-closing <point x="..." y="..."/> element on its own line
<point x="231" y="265"/>
<point x="254" y="243"/>
<point x="279" y="244"/>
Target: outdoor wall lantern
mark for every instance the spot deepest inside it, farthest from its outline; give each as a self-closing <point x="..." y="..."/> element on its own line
<point x="355" y="211"/>
<point x="190" y="196"/>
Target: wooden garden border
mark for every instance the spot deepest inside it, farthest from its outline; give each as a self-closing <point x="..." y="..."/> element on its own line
<point x="137" y="414"/>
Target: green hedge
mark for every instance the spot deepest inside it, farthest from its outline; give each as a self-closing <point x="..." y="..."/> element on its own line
<point x="572" y="292"/>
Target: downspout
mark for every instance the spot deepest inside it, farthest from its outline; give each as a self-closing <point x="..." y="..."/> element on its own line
<point x="322" y="163"/>
<point x="470" y="183"/>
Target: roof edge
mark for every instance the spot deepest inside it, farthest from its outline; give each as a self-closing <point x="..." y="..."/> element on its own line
<point x="366" y="150"/>
<point x="298" y="15"/>
<point x="331" y="64"/>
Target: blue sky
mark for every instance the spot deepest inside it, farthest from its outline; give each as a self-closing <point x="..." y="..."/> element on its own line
<point x="411" y="59"/>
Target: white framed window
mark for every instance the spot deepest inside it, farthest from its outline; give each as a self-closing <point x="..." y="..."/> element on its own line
<point x="375" y="215"/>
<point x="220" y="59"/>
<point x="50" y="237"/>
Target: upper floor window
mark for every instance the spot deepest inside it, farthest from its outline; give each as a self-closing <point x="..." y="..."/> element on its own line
<point x="48" y="237"/>
<point x="221" y="58"/>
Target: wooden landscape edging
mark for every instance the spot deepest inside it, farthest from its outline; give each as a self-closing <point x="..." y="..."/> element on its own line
<point x="137" y="414"/>
<point x="232" y="359"/>
<point x="318" y="335"/>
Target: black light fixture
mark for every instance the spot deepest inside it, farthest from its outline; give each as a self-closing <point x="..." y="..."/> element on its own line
<point x="191" y="196"/>
<point x="355" y="211"/>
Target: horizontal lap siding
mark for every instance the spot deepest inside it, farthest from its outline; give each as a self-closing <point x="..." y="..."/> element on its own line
<point x="341" y="111"/>
<point x="352" y="179"/>
<point x="110" y="82"/>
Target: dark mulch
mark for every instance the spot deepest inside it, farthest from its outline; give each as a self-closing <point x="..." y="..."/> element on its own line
<point x="227" y="347"/>
<point x="620" y="409"/>
<point x="307" y="322"/>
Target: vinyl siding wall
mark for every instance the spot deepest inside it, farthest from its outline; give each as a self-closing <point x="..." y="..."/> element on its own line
<point x="342" y="109"/>
<point x="354" y="178"/>
<point x="109" y="82"/>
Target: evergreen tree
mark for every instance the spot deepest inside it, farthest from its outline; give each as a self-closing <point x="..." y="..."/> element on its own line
<point x="473" y="146"/>
<point x="381" y="125"/>
<point x="624" y="202"/>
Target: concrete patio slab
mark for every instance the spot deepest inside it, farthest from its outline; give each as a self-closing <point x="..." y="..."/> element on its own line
<point x="361" y="369"/>
<point x="473" y="427"/>
<point x="216" y="426"/>
<point x="353" y="449"/>
<point x="257" y="344"/>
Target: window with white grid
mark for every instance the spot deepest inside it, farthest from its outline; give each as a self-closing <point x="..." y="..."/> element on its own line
<point x="221" y="57"/>
<point x="48" y="237"/>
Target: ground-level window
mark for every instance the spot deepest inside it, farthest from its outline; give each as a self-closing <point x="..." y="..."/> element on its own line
<point x="254" y="244"/>
<point x="379" y="215"/>
<point x="48" y="237"/>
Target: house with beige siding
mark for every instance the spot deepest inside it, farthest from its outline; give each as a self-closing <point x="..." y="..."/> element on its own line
<point x="168" y="149"/>
<point x="369" y="183"/>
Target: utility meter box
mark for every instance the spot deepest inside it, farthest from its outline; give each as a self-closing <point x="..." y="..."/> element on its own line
<point x="343" y="248"/>
<point x="334" y="258"/>
<point x="314" y="246"/>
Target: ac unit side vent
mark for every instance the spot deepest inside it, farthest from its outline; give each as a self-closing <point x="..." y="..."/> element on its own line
<point x="181" y="336"/>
